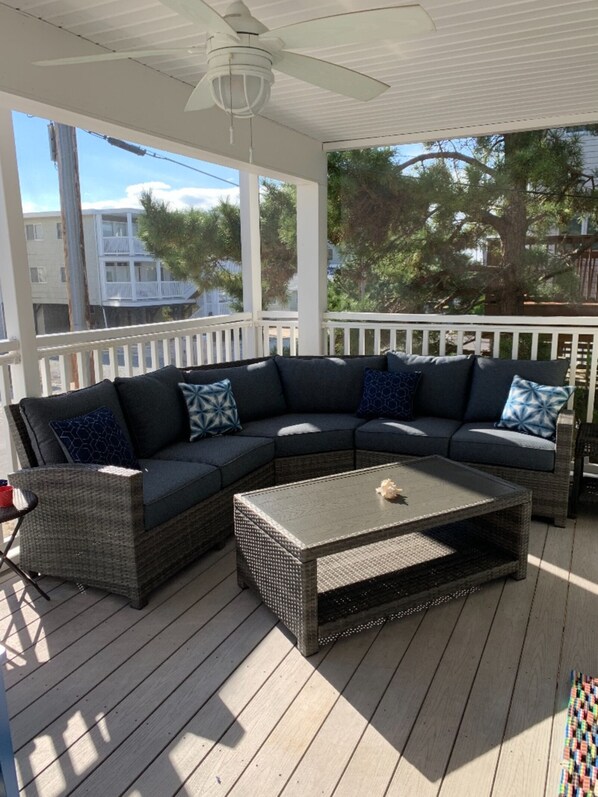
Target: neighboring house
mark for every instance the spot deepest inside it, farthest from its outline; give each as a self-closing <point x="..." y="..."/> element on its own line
<point x="126" y="284"/>
<point x="216" y="302"/>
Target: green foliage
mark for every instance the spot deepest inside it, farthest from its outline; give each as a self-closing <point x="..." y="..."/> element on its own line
<point x="411" y="232"/>
<point x="196" y="244"/>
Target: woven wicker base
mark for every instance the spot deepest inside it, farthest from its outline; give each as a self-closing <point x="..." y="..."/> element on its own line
<point x="336" y="587"/>
<point x="408" y="573"/>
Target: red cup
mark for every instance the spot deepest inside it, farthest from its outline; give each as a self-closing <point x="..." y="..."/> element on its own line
<point x="5" y="495"/>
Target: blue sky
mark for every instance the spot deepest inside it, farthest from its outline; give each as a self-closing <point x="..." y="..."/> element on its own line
<point x="111" y="177"/>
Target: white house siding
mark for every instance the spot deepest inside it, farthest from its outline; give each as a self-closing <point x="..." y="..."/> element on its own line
<point x="47" y="256"/>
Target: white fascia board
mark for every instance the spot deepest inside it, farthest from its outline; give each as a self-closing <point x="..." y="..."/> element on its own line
<point x="500" y="126"/>
<point x="128" y="100"/>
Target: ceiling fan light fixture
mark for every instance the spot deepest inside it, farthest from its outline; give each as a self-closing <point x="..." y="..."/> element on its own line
<point x="242" y="92"/>
<point x="240" y="81"/>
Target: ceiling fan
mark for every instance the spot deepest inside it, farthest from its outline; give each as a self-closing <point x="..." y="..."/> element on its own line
<point x="241" y="52"/>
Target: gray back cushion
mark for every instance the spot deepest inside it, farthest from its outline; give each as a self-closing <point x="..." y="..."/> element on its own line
<point x="444" y="383"/>
<point x="256" y="387"/>
<point x="491" y="382"/>
<point x="325" y="384"/>
<point x="155" y="409"/>
<point x="38" y="412"/>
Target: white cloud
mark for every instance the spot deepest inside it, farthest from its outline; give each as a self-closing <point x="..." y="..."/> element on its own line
<point x="177" y="198"/>
<point x="32" y="207"/>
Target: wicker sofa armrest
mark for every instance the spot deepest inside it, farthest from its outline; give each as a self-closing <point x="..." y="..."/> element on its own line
<point x="565" y="432"/>
<point x="87" y="516"/>
<point x="86" y="494"/>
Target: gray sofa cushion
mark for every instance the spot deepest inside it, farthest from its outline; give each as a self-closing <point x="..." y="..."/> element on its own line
<point x="305" y="433"/>
<point x="234" y="455"/>
<point x="492" y="377"/>
<point x="38" y="412"/>
<point x="170" y="488"/>
<point x="256" y="387"/>
<point x="154" y="408"/>
<point x="481" y="442"/>
<point x="327" y="384"/>
<point x="417" y="438"/>
<point x="444" y="383"/>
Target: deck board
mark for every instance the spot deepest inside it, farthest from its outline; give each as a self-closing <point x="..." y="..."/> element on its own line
<point x="523" y="756"/>
<point x="377" y="755"/>
<point x="477" y="746"/>
<point x="580" y="648"/>
<point x="203" y="692"/>
<point x="333" y="745"/>
<point x="430" y="743"/>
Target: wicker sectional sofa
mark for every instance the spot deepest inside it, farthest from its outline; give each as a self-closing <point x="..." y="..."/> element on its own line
<point x="128" y="531"/>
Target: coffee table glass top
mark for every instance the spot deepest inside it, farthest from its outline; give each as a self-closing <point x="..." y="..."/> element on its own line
<point x="319" y="511"/>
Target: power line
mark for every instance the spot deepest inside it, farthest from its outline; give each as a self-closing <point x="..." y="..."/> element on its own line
<point x="141" y="151"/>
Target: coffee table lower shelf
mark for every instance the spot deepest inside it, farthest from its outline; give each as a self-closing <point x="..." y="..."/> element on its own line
<point x="355" y="589"/>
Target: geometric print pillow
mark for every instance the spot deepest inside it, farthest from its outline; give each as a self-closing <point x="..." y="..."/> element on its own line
<point x="388" y="394"/>
<point x="96" y="437"/>
<point x="533" y="408"/>
<point x="212" y="409"/>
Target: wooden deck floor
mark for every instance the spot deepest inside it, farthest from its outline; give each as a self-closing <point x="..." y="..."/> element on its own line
<point x="204" y="693"/>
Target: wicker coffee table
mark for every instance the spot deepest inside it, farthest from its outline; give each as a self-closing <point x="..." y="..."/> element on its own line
<point x="329" y="556"/>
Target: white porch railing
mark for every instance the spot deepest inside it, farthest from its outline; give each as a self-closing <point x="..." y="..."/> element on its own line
<point x="81" y="358"/>
<point x="127" y="351"/>
<point x="517" y="338"/>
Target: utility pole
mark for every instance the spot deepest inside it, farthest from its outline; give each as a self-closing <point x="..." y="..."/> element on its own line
<point x="63" y="145"/>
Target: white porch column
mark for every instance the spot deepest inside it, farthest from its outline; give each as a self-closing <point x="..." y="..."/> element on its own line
<point x="311" y="264"/>
<point x="14" y="268"/>
<point x="251" y="259"/>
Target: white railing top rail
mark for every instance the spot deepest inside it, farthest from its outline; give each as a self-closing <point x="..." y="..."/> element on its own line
<point x="278" y="315"/>
<point x="95" y="338"/>
<point x="532" y="323"/>
<point x="9" y="352"/>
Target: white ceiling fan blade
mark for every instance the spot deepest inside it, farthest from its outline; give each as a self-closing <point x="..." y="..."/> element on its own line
<point x="202" y="14"/>
<point x="329" y="76"/>
<point x="90" y="59"/>
<point x="201" y="97"/>
<point x="358" y="27"/>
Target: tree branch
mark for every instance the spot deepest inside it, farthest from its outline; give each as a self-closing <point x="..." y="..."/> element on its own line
<point x="457" y="156"/>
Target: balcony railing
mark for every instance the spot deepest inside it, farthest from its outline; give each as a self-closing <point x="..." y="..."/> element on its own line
<point x="122" y="245"/>
<point x="143" y="291"/>
<point x="81" y="358"/>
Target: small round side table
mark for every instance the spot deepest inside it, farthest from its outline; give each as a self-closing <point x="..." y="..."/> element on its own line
<point x="586" y="445"/>
<point x="24" y="501"/>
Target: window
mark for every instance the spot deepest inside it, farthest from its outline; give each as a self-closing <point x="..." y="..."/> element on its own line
<point x="146" y="272"/>
<point x="59" y="231"/>
<point x="114" y="227"/>
<point x="34" y="232"/>
<point x="62" y="274"/>
<point x="117" y="271"/>
<point x="37" y="274"/>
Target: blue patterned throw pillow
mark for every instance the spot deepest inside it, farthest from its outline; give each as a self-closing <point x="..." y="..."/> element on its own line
<point x="388" y="394"/>
<point x="212" y="409"/>
<point x="534" y="408"/>
<point x="95" y="438"/>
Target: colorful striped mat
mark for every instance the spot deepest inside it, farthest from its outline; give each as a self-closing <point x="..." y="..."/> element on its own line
<point x="579" y="774"/>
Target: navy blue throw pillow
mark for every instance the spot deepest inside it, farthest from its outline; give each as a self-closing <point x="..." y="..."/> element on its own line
<point x="388" y="394"/>
<point x="97" y="438"/>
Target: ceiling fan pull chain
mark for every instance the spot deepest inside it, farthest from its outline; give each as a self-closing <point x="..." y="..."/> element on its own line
<point x="251" y="139"/>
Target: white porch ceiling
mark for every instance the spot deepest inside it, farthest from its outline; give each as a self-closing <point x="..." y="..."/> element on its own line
<point x="492" y="65"/>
